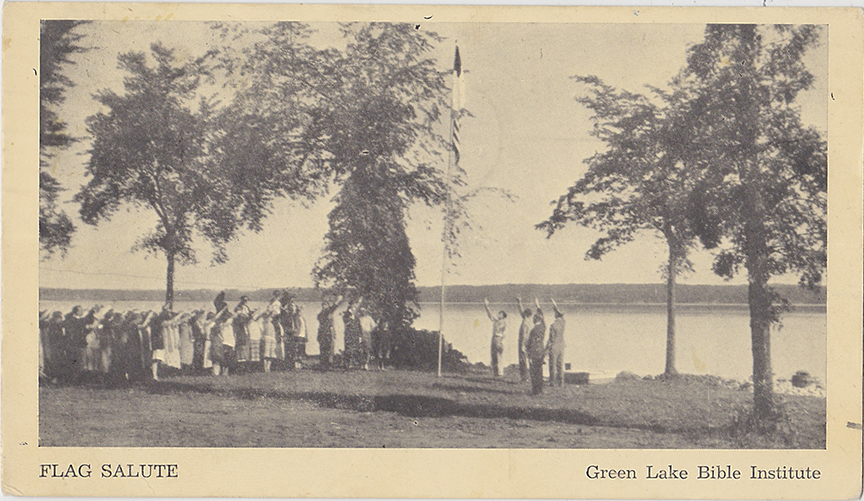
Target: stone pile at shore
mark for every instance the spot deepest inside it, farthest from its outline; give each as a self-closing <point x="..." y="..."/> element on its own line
<point x="811" y="387"/>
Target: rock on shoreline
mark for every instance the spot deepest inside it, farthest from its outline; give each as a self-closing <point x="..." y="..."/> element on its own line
<point x="782" y="386"/>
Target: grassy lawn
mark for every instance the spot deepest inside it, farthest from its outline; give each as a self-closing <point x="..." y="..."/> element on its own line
<point x="412" y="409"/>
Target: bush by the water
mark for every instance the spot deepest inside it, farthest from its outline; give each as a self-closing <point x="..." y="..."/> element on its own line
<point x="418" y="349"/>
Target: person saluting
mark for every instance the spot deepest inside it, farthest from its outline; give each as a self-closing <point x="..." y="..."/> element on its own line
<point x="524" y="331"/>
<point x="537" y="350"/>
<point x="555" y="348"/>
<point x="499" y="324"/>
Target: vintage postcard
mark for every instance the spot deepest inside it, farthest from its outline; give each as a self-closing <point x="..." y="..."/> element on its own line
<point x="432" y="251"/>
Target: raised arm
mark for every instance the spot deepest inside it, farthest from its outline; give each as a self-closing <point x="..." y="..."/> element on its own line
<point x="555" y="307"/>
<point x="488" y="311"/>
<point x="219" y="314"/>
<point x="521" y="306"/>
<point x="146" y="319"/>
<point x="537" y="303"/>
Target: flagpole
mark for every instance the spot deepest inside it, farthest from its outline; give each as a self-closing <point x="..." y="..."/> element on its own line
<point x="457" y="70"/>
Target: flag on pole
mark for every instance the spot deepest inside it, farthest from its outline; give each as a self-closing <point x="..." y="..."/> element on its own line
<point x="457" y="104"/>
<point x="455" y="112"/>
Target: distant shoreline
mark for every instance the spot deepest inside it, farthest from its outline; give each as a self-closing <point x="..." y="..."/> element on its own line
<point x="580" y="294"/>
<point x="728" y="306"/>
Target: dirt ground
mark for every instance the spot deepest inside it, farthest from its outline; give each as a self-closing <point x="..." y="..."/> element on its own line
<point x="410" y="409"/>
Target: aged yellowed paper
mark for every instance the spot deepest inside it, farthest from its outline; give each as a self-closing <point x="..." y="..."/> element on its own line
<point x="432" y="251"/>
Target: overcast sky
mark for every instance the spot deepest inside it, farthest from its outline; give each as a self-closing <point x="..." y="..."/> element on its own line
<point x="527" y="135"/>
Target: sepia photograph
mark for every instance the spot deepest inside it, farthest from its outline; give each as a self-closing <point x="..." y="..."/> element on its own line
<point x="490" y="251"/>
<point x="578" y="236"/>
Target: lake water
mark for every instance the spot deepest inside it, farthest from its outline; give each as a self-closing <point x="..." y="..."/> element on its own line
<point x="710" y="339"/>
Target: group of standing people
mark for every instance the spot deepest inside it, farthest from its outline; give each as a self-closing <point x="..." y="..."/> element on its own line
<point x="268" y="335"/>
<point x="363" y="339"/>
<point x="133" y="345"/>
<point x="533" y="346"/>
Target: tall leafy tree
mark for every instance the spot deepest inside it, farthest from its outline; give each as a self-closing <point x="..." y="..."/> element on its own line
<point x="639" y="184"/>
<point x="763" y="195"/>
<point x="367" y="248"/>
<point x="383" y="105"/>
<point x="58" y="42"/>
<point x="270" y="132"/>
<point x="164" y="147"/>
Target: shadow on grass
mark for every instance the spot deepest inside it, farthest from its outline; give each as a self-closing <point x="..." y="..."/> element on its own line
<point x="474" y="389"/>
<point x="490" y="380"/>
<point x="415" y="406"/>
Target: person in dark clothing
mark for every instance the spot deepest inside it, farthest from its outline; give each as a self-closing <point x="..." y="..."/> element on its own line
<point x="242" y="316"/>
<point x="284" y="318"/>
<point x="120" y="368"/>
<point x="220" y="302"/>
<point x="524" y="331"/>
<point x="157" y="338"/>
<point x="537" y="350"/>
<point x="300" y="334"/>
<point x="351" y="335"/>
<point x="382" y="343"/>
<point x="199" y="339"/>
<point x="76" y="343"/>
<point x="56" y="357"/>
<point x="135" y="367"/>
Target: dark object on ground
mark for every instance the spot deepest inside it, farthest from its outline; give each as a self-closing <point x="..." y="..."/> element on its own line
<point x="576" y="377"/>
<point x="802" y="379"/>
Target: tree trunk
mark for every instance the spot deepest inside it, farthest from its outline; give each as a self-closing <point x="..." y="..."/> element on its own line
<point x="760" y="302"/>
<point x="169" y="281"/>
<point x="670" y="312"/>
<point x="759" y="299"/>
<point x="760" y="333"/>
<point x="755" y="233"/>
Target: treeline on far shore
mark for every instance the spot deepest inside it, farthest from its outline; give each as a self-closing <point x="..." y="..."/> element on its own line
<point x="565" y="293"/>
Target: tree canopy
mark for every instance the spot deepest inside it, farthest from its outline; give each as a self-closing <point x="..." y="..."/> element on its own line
<point x="162" y="146"/>
<point x="379" y="121"/>
<point x="269" y="133"/>
<point x="298" y="120"/>
<point x="764" y="175"/>
<point x="759" y="155"/>
<point x="58" y="42"/>
<point x="639" y="183"/>
<point x="724" y="157"/>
